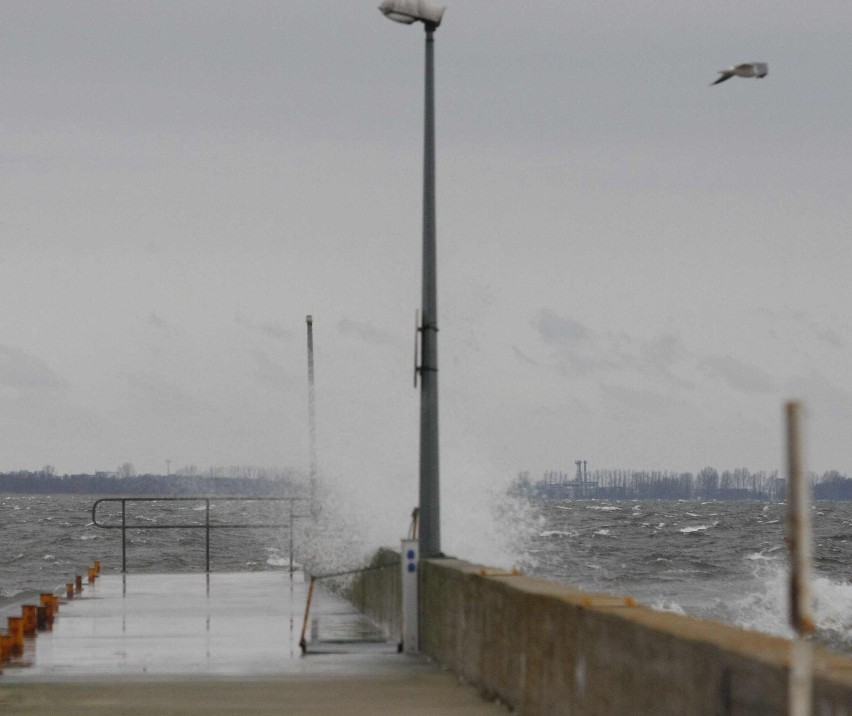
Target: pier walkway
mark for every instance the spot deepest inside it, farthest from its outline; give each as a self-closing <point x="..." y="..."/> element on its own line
<point x="221" y="644"/>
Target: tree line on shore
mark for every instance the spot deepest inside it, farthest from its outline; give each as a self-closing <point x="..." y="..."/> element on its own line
<point x="247" y="482"/>
<point x="708" y="483"/>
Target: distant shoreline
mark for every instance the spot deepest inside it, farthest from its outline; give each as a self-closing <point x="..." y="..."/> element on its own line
<point x="35" y="483"/>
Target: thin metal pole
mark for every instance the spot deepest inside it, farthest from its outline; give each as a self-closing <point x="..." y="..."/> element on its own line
<point x="799" y="539"/>
<point x="123" y="538"/>
<point x="303" y="643"/>
<point x="207" y="534"/>
<point x="430" y="517"/>
<point x="291" y="539"/>
<point x="312" y="416"/>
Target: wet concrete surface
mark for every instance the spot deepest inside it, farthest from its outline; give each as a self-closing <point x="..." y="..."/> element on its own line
<point x="426" y="693"/>
<point x="216" y="644"/>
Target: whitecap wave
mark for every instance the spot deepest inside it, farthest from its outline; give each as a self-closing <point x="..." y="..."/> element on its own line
<point x="765" y="608"/>
<point x="666" y="605"/>
<point x="762" y="555"/>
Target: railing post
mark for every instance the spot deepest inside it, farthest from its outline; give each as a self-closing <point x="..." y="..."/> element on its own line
<point x="207" y="533"/>
<point x="291" y="537"/>
<point x="123" y="538"/>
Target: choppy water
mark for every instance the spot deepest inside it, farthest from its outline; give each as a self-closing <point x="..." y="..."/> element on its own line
<point x="720" y="560"/>
<point x="46" y="540"/>
<point x="725" y="561"/>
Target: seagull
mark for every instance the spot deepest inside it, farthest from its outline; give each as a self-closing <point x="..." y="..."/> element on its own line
<point x="747" y="69"/>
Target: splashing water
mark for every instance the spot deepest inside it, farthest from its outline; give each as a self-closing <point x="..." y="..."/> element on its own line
<point x="670" y="556"/>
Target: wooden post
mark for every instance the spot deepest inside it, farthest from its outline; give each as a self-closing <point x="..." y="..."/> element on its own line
<point x="799" y="540"/>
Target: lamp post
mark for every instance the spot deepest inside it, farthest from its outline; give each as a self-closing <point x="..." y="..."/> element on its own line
<point x="409" y="12"/>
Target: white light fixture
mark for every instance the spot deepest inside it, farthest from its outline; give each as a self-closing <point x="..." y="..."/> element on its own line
<point x="411" y="11"/>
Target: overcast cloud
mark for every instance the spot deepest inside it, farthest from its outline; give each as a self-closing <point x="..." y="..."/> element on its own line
<point x="635" y="268"/>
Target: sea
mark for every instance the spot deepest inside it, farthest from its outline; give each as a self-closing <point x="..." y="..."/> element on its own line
<point x="46" y="540"/>
<point x="718" y="560"/>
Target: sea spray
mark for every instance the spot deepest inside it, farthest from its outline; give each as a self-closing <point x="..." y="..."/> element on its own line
<point x="763" y="607"/>
<point x="336" y="535"/>
<point x="479" y="522"/>
<point x="488" y="530"/>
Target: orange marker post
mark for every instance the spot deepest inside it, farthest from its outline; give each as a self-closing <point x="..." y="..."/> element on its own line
<point x="16" y="632"/>
<point x="48" y="600"/>
<point x="43" y="621"/>
<point x="29" y="613"/>
<point x="5" y="647"/>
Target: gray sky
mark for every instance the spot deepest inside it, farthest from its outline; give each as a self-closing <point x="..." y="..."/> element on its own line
<point x="635" y="268"/>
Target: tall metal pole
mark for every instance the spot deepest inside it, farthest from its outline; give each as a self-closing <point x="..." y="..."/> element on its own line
<point x="430" y="508"/>
<point x="312" y="419"/>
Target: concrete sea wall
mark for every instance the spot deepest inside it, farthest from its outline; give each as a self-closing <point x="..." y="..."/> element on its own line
<point x="544" y="648"/>
<point x="377" y="593"/>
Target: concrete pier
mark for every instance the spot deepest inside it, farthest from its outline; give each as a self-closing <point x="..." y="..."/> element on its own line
<point x="221" y="644"/>
<point x="545" y="648"/>
<point x="229" y="644"/>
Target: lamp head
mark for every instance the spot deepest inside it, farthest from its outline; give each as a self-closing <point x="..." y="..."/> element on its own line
<point x="411" y="11"/>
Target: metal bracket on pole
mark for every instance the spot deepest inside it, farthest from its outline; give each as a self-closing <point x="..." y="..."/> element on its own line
<point x="416" y="345"/>
<point x="418" y="331"/>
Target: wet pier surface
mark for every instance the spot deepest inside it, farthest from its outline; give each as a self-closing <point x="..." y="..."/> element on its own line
<point x="221" y="644"/>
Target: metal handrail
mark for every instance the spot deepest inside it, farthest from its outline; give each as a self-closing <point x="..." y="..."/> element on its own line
<point x="303" y="642"/>
<point x="206" y="526"/>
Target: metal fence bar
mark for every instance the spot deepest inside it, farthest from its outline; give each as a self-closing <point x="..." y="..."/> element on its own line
<point x="329" y="575"/>
<point x="206" y="526"/>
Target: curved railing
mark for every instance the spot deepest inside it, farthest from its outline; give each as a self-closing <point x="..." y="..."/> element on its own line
<point x="206" y="525"/>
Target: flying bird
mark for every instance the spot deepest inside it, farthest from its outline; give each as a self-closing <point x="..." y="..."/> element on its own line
<point x="747" y="69"/>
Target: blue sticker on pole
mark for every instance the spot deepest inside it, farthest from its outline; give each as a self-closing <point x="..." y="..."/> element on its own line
<point x="410" y="554"/>
<point x="412" y="567"/>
